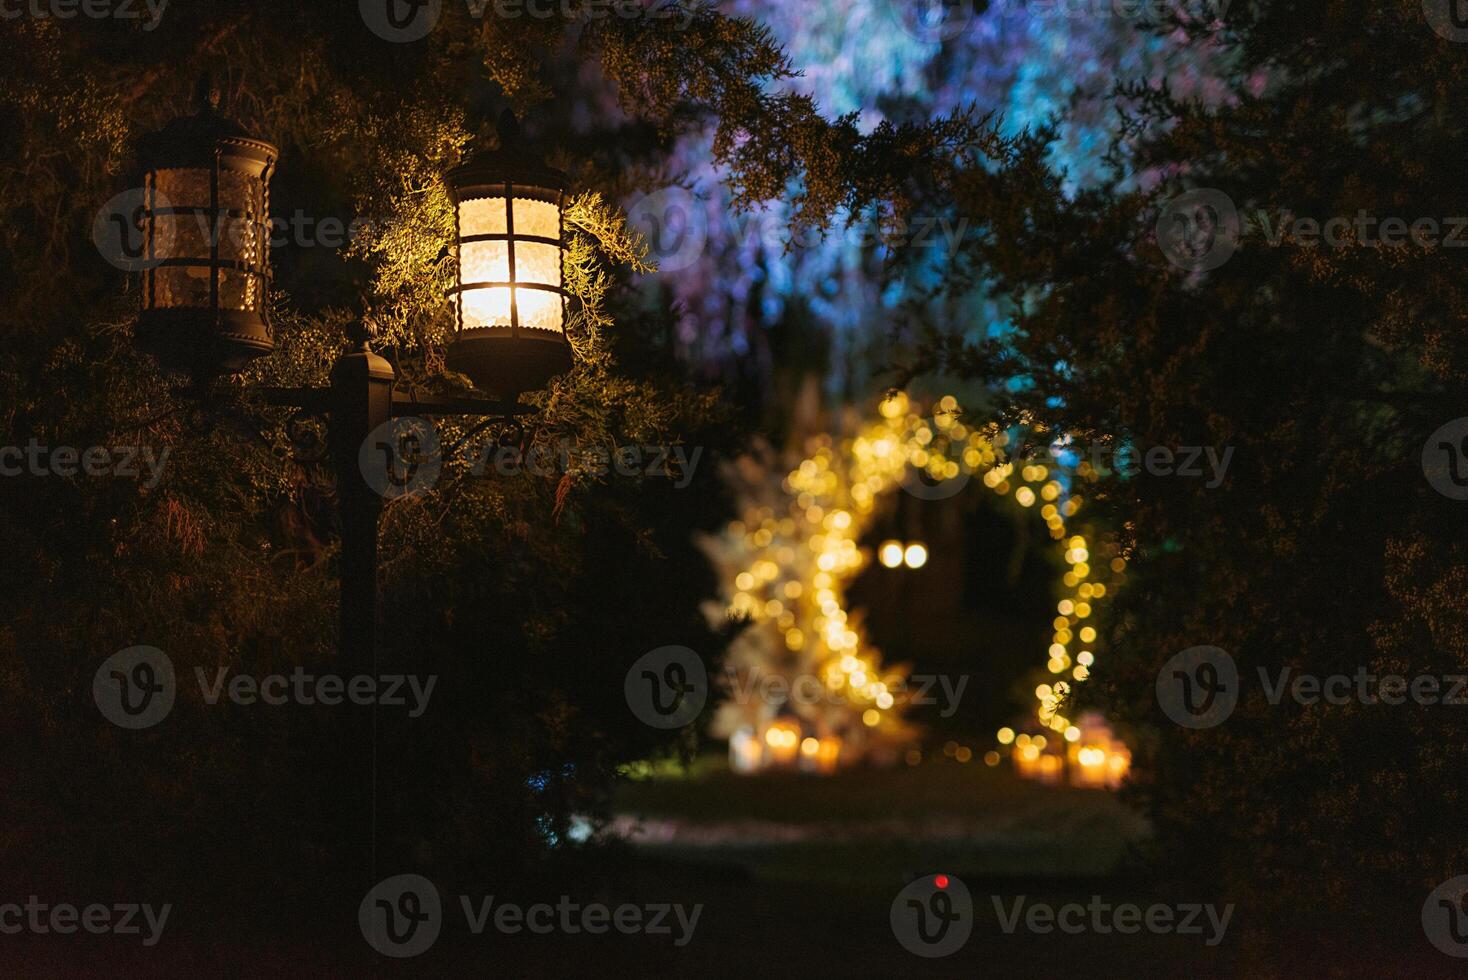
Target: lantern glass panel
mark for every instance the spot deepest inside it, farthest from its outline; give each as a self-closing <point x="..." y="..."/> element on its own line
<point x="221" y="240"/>
<point x="239" y="290"/>
<point x="238" y="190"/>
<point x="542" y="219"/>
<point x="175" y="286"/>
<point x="180" y="186"/>
<point x="482" y="216"/>
<point x="180" y="235"/>
<point x="239" y="240"/>
<point x="539" y="309"/>
<point x="485" y="262"/>
<point x="490" y="262"/>
<point x="537" y="262"/>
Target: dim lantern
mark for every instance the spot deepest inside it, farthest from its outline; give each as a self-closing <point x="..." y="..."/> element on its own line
<point x="511" y="299"/>
<point x="206" y="224"/>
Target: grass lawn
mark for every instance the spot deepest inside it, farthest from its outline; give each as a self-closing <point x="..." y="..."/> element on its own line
<point x="796" y="877"/>
<point x="871" y="824"/>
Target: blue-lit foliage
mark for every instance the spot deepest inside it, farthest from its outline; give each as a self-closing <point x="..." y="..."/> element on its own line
<point x="1031" y="64"/>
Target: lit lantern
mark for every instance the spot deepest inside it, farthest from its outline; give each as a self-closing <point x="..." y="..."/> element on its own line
<point x="782" y="742"/>
<point x="511" y="298"/>
<point x="1118" y="764"/>
<point x="828" y="756"/>
<point x="206" y="224"/>
<point x="1088" y="766"/>
<point x="745" y="753"/>
<point x="1026" y="760"/>
<point x="820" y="755"/>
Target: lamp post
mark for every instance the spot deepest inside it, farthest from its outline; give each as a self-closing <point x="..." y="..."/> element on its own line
<point x="206" y="230"/>
<point x="205" y="311"/>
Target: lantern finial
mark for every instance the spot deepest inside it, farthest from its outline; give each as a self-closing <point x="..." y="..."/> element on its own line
<point x="509" y="129"/>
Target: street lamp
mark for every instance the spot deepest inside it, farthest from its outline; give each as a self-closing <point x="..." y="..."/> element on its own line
<point x="206" y="279"/>
<point x="204" y="310"/>
<point x="206" y="225"/>
<point x="510" y="309"/>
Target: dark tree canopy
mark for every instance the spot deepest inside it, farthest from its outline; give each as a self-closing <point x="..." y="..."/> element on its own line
<point x="1324" y="365"/>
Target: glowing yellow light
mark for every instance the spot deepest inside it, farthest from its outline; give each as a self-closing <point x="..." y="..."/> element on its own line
<point x="894" y="407"/>
<point x="1006" y="735"/>
<point x="871" y="717"/>
<point x="744" y="581"/>
<point x="916" y="556"/>
<point x="1088" y="635"/>
<point x="890" y="553"/>
<point x="1072" y="734"/>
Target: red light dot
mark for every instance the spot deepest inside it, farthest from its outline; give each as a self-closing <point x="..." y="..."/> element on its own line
<point x="941" y="881"/>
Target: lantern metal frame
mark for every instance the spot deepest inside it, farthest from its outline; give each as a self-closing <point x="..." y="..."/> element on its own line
<point x="508" y="359"/>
